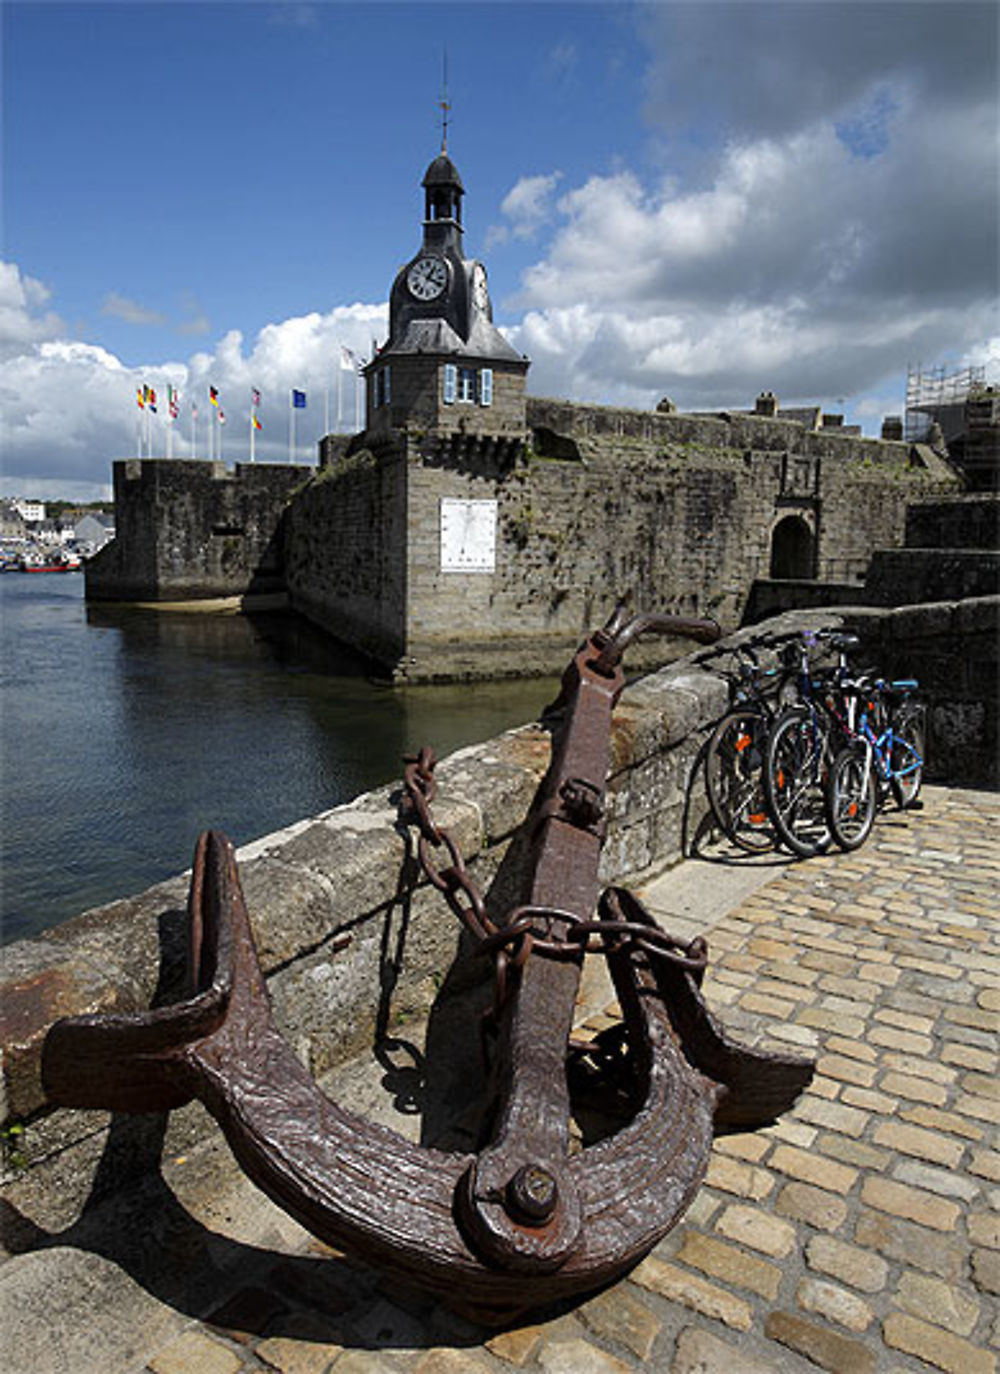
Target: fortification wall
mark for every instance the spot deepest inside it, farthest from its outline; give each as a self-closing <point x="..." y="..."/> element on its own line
<point x="194" y="530"/>
<point x="345" y="563"/>
<point x="352" y="939"/>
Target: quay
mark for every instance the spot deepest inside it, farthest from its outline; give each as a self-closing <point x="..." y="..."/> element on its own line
<point x="859" y="1235"/>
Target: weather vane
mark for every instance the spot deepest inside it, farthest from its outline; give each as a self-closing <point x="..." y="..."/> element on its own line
<point x="443" y="102"/>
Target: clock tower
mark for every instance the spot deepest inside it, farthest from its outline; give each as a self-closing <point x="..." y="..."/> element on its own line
<point x="446" y="369"/>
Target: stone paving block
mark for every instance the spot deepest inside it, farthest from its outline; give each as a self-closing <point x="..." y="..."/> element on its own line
<point x="846" y="1069"/>
<point x="746" y="1146"/>
<point x="444" y="1360"/>
<point x="937" y="1120"/>
<point x="986" y="1271"/>
<point x="516" y="1346"/>
<point x="834" y="1303"/>
<point x="680" y="1285"/>
<point x="937" y="1302"/>
<point x="854" y="1152"/>
<point x="620" y="1317"/>
<point x="754" y="1227"/>
<point x="699" y="1352"/>
<point x="916" y="1089"/>
<point x="968" y="1057"/>
<point x="910" y="1244"/>
<point x="936" y="1347"/>
<point x="578" y="1357"/>
<point x="807" y="1168"/>
<point x="828" y="1349"/>
<point x="984" y="1229"/>
<point x="305" y="1346"/>
<point x="195" y="1353"/>
<point x="732" y="1265"/>
<point x="911" y="1204"/>
<point x="850" y="1263"/>
<point x="912" y="1140"/>
<point x="802" y="1202"/>
<point x="835" y="1116"/>
<point x="733" y="1176"/>
<point x="947" y="1182"/>
<point x="986" y="1164"/>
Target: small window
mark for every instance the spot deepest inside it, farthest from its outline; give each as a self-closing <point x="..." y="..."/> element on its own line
<point x="486" y="387"/>
<point x="385" y="373"/>
<point x="382" y="386"/>
<point x="467" y="384"/>
<point x="450" y="383"/>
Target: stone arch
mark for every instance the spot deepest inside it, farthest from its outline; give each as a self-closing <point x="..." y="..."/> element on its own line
<point x="793" y="549"/>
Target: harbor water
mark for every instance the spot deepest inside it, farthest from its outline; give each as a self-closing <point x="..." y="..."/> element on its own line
<point x="123" y="733"/>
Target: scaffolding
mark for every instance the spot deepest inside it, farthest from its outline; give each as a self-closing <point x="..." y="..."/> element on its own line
<point x="935" y="394"/>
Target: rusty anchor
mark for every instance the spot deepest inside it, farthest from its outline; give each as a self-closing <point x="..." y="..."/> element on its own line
<point x="529" y="1219"/>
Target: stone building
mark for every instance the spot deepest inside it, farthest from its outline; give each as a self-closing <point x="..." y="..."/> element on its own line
<point x="473" y="530"/>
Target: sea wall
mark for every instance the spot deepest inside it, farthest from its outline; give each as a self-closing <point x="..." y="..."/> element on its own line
<point x="352" y="938"/>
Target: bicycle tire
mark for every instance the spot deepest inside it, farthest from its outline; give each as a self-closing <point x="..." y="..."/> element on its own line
<point x="734" y="767"/>
<point x="906" y="758"/>
<point x="851" y="797"/>
<point x="795" y="781"/>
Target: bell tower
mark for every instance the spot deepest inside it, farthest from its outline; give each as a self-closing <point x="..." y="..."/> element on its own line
<point x="446" y="369"/>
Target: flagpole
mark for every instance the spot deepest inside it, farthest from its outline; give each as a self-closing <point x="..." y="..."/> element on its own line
<point x="340" y="406"/>
<point x="291" y="425"/>
<point x="252" y="436"/>
<point x="194" y="431"/>
<point x="218" y="421"/>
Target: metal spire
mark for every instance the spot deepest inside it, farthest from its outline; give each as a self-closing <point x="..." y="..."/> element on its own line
<point x="443" y="102"/>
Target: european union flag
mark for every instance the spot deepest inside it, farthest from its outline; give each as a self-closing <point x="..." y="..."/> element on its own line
<point x="299" y="400"/>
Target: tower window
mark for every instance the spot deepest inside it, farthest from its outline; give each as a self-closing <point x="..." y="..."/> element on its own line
<point x="382" y="393"/>
<point x="486" y="387"/>
<point x="467" y="384"/>
<point x="450" y="383"/>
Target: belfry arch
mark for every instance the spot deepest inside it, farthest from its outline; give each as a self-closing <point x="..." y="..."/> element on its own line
<point x="793" y="549"/>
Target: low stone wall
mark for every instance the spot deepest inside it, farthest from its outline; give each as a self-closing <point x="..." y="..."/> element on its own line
<point x="350" y="935"/>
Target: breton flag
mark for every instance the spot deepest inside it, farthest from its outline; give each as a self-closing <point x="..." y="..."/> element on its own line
<point x="349" y="361"/>
<point x="299" y="400"/>
<point x="213" y="395"/>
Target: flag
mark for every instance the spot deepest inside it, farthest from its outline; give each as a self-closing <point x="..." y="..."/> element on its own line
<point x="152" y="400"/>
<point x="213" y="395"/>
<point x="194" y="411"/>
<point x="254" y="397"/>
<point x="173" y="402"/>
<point x="256" y="423"/>
<point x="349" y="361"/>
<point x="222" y="416"/>
<point x="140" y="399"/>
<point x="299" y="400"/>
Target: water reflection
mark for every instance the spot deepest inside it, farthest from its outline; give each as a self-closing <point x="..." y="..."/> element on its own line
<point x="126" y="732"/>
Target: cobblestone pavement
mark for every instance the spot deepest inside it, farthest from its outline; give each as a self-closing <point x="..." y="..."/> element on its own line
<point x="860" y="1235"/>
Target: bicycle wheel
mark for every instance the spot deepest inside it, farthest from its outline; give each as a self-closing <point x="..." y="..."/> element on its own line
<point x="795" y="779"/>
<point x="906" y="758"/>
<point x="734" y="780"/>
<point x="851" y="797"/>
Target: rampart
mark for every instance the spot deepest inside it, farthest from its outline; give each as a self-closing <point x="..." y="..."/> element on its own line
<point x="686" y="510"/>
<point x="354" y="942"/>
<point x="190" y="531"/>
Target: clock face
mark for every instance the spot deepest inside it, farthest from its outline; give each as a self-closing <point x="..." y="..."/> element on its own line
<point x="427" y="278"/>
<point x="480" y="290"/>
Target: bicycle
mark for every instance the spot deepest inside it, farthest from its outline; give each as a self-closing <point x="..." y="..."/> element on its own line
<point x="886" y="755"/>
<point x="734" y="757"/>
<point x="804" y="740"/>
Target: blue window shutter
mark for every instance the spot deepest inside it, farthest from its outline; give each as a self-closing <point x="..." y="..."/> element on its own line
<point x="385" y="374"/>
<point x="486" y="386"/>
<point x="450" y="382"/>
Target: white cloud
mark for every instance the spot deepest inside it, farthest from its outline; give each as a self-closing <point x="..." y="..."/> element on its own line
<point x="814" y="248"/>
<point x="69" y="408"/>
<point x="527" y="207"/>
<point x="130" y="311"/>
<point x="22" y="301"/>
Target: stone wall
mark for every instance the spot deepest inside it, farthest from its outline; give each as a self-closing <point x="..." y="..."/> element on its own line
<point x="345" y="564"/>
<point x="348" y="937"/>
<point x="194" y="530"/>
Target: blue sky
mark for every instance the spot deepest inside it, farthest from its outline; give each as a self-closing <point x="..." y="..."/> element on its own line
<point x="699" y="200"/>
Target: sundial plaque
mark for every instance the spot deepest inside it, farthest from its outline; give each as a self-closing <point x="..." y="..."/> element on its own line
<point x="468" y="535"/>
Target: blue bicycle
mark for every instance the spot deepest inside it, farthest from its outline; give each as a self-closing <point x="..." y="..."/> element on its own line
<point x="884" y="755"/>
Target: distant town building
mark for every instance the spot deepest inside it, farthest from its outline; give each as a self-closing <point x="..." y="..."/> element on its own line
<point x="30" y="510"/>
<point x="95" y="528"/>
<point x="11" y="521"/>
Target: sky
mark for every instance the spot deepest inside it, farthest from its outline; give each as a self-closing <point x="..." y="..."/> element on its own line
<point x="701" y="201"/>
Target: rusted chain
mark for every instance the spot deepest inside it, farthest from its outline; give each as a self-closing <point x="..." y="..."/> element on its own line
<point x="550" y="930"/>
